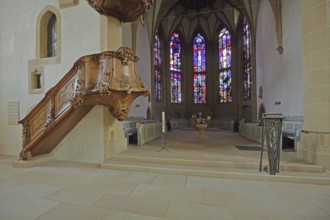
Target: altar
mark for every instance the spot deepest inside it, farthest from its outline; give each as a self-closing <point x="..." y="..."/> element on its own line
<point x="201" y="128"/>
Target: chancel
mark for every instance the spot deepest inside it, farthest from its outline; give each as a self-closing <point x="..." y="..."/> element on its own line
<point x="88" y="83"/>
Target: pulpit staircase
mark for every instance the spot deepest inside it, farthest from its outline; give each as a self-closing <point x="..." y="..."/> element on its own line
<point x="109" y="78"/>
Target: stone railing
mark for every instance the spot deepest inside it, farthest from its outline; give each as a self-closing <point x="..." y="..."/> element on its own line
<point x="130" y="126"/>
<point x="291" y="129"/>
<point x="224" y="124"/>
<point x="217" y="123"/>
<point x="251" y="131"/>
<point x="179" y="123"/>
<point x="147" y="131"/>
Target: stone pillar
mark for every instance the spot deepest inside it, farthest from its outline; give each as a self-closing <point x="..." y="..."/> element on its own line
<point x="111" y="33"/>
<point x="115" y="141"/>
<point x="315" y="141"/>
<point x="114" y="137"/>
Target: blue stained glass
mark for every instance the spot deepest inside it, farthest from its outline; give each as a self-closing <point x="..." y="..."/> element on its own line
<point x="175" y="68"/>
<point x="199" y="54"/>
<point x="157" y="57"/>
<point x="199" y="88"/>
<point x="157" y="63"/>
<point x="225" y="89"/>
<point x="247" y="80"/>
<point x="175" y="87"/>
<point x="157" y="85"/>
<point x="224" y="49"/>
<point x="225" y="77"/>
<point x="199" y="66"/>
<point x="247" y="54"/>
<point x="175" y="53"/>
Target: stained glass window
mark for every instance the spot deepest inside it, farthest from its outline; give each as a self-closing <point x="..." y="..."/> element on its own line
<point x="246" y="36"/>
<point x="175" y="68"/>
<point x="199" y="88"/>
<point x="199" y="54"/>
<point x="157" y="67"/>
<point x="199" y="69"/>
<point x="225" y="78"/>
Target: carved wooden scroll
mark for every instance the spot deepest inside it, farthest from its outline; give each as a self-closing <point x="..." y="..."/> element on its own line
<point x="125" y="10"/>
<point x="109" y="78"/>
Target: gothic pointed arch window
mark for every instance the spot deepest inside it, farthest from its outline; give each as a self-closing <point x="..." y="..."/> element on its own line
<point x="199" y="68"/>
<point x="175" y="69"/>
<point x="225" y="72"/>
<point x="157" y="67"/>
<point x="247" y="55"/>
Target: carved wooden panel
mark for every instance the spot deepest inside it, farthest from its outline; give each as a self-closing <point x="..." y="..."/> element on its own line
<point x="92" y="68"/>
<point x="38" y="121"/>
<point x="125" y="10"/>
<point x="63" y="97"/>
<point x="108" y="79"/>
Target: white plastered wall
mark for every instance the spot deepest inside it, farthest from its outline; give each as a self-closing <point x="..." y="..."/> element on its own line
<point x="140" y="105"/>
<point x="18" y="22"/>
<point x="280" y="76"/>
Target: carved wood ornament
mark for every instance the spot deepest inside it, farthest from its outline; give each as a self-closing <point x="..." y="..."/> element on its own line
<point x="107" y="78"/>
<point x="123" y="10"/>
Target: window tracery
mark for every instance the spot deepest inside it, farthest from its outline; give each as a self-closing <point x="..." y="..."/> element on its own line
<point x="175" y="69"/>
<point x="199" y="66"/>
<point x="225" y="72"/>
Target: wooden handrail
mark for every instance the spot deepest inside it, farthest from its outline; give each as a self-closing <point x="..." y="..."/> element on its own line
<point x="109" y="78"/>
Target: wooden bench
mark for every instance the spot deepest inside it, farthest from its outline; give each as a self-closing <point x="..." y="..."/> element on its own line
<point x="292" y="129"/>
<point x="130" y="128"/>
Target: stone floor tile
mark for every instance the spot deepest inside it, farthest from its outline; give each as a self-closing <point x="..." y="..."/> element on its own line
<point x="229" y="199"/>
<point x="302" y="207"/>
<point x="114" y="187"/>
<point x="35" y="189"/>
<point x="73" y="212"/>
<point x="111" y="175"/>
<point x="76" y="196"/>
<point x="68" y="180"/>
<point x="150" y="207"/>
<point x="177" y="194"/>
<point x="32" y="176"/>
<point x="116" y="215"/>
<point x="179" y="211"/>
<point x="19" y="207"/>
<point x="205" y="183"/>
<point x="249" y="187"/>
<point x="141" y="178"/>
<point x="322" y="204"/>
<point x="142" y="190"/>
<point x="170" y="180"/>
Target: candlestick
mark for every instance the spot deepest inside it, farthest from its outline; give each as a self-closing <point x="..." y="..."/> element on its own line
<point x="163" y="122"/>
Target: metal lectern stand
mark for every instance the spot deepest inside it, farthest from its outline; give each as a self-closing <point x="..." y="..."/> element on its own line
<point x="272" y="129"/>
<point x="163" y="143"/>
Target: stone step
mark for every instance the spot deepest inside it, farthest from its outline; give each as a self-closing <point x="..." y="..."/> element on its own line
<point x="221" y="164"/>
<point x="216" y="172"/>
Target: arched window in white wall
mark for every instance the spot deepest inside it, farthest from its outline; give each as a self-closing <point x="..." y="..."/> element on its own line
<point x="49" y="33"/>
<point x="225" y="72"/>
<point x="247" y="58"/>
<point x="48" y="47"/>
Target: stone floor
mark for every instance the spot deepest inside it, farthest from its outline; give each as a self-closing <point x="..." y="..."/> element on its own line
<point x="70" y="190"/>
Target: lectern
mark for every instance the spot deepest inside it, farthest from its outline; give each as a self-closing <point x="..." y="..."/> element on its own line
<point x="272" y="134"/>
